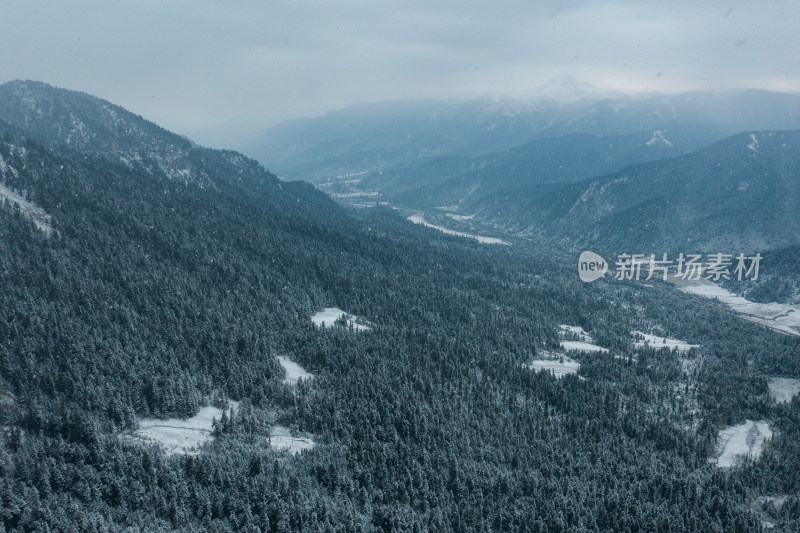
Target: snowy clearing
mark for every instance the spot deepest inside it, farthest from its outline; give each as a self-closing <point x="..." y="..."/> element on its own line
<point x="281" y="439"/>
<point x="329" y="315"/>
<point x="184" y="436"/>
<point x="658" y="139"/>
<point x="779" y="317"/>
<point x="753" y="145"/>
<point x="783" y="390"/>
<point x="419" y="219"/>
<point x="179" y="435"/>
<point x="558" y="367"/>
<point x="40" y="219"/>
<point x="654" y="341"/>
<point x="581" y="346"/>
<point x="294" y="372"/>
<point x="575" y="330"/>
<point x="775" y="502"/>
<point x="737" y="442"/>
<point x="584" y="342"/>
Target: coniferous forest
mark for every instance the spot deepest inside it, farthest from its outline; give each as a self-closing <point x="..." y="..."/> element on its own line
<point x="155" y="277"/>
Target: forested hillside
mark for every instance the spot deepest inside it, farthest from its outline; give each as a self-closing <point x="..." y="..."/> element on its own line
<point x="146" y="277"/>
<point x="466" y="182"/>
<point x="739" y="194"/>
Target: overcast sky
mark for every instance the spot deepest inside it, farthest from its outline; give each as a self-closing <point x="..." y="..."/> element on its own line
<point x="194" y="64"/>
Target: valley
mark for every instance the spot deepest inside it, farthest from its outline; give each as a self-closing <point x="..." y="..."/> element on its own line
<point x="383" y="373"/>
<point x="400" y="267"/>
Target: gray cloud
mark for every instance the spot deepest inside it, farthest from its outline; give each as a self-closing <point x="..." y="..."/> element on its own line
<point x="190" y="65"/>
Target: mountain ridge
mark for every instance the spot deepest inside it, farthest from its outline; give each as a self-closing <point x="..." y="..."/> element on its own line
<point x="374" y="136"/>
<point x="745" y="185"/>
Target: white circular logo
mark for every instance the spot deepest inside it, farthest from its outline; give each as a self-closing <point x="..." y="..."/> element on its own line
<point x="591" y="266"/>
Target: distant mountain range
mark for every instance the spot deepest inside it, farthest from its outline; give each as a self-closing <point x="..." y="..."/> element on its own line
<point x="371" y="136"/>
<point x="375" y="136"/>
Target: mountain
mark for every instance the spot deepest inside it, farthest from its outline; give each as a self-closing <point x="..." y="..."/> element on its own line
<point x="778" y="282"/>
<point x="742" y="193"/>
<point x="455" y="181"/>
<point x="373" y="137"/>
<point x="80" y="121"/>
<point x="565" y="89"/>
<point x="148" y="237"/>
<point x="91" y="125"/>
<point x="706" y="115"/>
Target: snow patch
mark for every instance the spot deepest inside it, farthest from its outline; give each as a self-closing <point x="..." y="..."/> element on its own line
<point x="281" y="438"/>
<point x="329" y="315"/>
<point x="584" y="342"/>
<point x="753" y="145"/>
<point x="738" y="442"/>
<point x="779" y="317"/>
<point x="654" y="341"/>
<point x="581" y="346"/>
<point x="419" y="219"/>
<point x="658" y="138"/>
<point x="575" y="330"/>
<point x="181" y="436"/>
<point x="39" y="217"/>
<point x="783" y="390"/>
<point x="6" y="168"/>
<point x="558" y="367"/>
<point x="294" y="372"/>
<point x="775" y="502"/>
<point x="79" y="130"/>
<point x="6" y="399"/>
